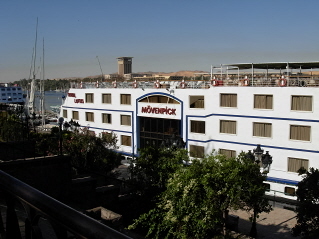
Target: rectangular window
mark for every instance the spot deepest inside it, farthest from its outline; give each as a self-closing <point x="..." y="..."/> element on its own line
<point x="89" y="116"/>
<point x="263" y="102"/>
<point x="126" y="120"/>
<point x="65" y="114"/>
<point x="301" y="103"/>
<point x="75" y="115"/>
<point x="294" y="164"/>
<point x="227" y="127"/>
<point x="196" y="101"/>
<point x="89" y="98"/>
<point x="198" y="126"/>
<point x="106" y="99"/>
<point x="126" y="140"/>
<point x="262" y="129"/>
<point x="106" y="118"/>
<point x="228" y="153"/>
<point x="290" y="191"/>
<point x="267" y="187"/>
<point x="300" y="132"/>
<point x="196" y="151"/>
<point x="228" y="100"/>
<point x="125" y="99"/>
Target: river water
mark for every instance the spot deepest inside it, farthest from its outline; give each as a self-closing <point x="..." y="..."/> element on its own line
<point x="51" y="98"/>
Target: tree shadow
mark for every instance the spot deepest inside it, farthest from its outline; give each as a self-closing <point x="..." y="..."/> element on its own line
<point x="267" y="230"/>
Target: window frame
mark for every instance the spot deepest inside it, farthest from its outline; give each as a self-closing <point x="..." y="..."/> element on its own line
<point x="126" y="138"/>
<point x="197" y="126"/>
<point x="228" y="103"/>
<point x="229" y="153"/>
<point x="122" y="120"/>
<point x="75" y="113"/>
<point x="266" y="101"/>
<point x="264" y="130"/>
<point x="125" y="99"/>
<point x="89" y="115"/>
<point x="65" y="114"/>
<point x="108" y="99"/>
<point x="298" y="103"/>
<point x="194" y="151"/>
<point x="89" y="98"/>
<point x="300" y="127"/>
<point x="220" y="126"/>
<point x="200" y="99"/>
<point x="109" y="117"/>
<point x="292" y="166"/>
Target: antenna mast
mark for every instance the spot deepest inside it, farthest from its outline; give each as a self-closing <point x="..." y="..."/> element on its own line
<point x="100" y="67"/>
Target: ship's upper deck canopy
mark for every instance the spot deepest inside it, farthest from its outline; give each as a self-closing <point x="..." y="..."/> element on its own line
<point x="275" y="65"/>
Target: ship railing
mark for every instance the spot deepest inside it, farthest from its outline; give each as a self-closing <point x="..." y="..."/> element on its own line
<point x="40" y="215"/>
<point x="291" y="81"/>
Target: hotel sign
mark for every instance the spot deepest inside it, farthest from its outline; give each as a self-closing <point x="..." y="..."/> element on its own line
<point x="158" y="110"/>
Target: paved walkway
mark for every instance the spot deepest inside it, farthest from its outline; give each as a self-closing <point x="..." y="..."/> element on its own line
<point x="276" y="224"/>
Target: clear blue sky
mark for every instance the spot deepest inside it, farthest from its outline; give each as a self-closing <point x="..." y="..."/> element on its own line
<point x="161" y="35"/>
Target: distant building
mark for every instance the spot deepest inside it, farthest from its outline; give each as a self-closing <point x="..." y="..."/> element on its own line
<point x="124" y="65"/>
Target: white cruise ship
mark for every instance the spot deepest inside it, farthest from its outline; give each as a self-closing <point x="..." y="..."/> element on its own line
<point x="11" y="94"/>
<point x="274" y="105"/>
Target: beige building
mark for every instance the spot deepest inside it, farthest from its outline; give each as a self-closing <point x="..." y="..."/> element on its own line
<point x="124" y="65"/>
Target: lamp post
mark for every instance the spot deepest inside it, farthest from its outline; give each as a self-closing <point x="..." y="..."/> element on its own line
<point x="61" y="120"/>
<point x="266" y="160"/>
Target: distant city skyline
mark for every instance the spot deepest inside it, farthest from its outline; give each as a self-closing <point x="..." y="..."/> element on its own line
<point x="162" y="36"/>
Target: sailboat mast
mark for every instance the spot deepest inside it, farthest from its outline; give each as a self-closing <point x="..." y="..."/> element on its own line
<point x="42" y="89"/>
<point x="33" y="86"/>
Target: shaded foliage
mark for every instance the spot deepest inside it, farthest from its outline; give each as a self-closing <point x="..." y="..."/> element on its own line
<point x="308" y="205"/>
<point x="197" y="199"/>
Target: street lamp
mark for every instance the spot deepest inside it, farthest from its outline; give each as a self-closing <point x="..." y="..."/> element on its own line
<point x="266" y="160"/>
<point x="61" y="120"/>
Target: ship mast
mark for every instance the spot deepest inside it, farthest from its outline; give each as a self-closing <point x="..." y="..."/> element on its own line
<point x="30" y="105"/>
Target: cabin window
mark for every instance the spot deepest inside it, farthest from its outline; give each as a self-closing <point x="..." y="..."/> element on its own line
<point x="228" y="153"/>
<point x="198" y="126"/>
<point x="89" y="98"/>
<point x="294" y="164"/>
<point x="262" y="129"/>
<point x="89" y="116"/>
<point x="75" y="115"/>
<point x="126" y="120"/>
<point x="106" y="118"/>
<point x="196" y="101"/>
<point x="300" y="132"/>
<point x="301" y="103"/>
<point x="267" y="187"/>
<point x="227" y="127"/>
<point x="126" y="140"/>
<point x="106" y="99"/>
<point x="263" y="101"/>
<point x="228" y="100"/>
<point x="290" y="191"/>
<point x="65" y="114"/>
<point x="196" y="151"/>
<point x="125" y="99"/>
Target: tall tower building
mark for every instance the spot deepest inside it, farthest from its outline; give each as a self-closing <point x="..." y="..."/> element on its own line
<point x="124" y="65"/>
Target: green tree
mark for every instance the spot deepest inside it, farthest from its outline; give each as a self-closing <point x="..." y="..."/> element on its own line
<point x="154" y="166"/>
<point x="89" y="152"/>
<point x="198" y="198"/>
<point x="308" y="205"/>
